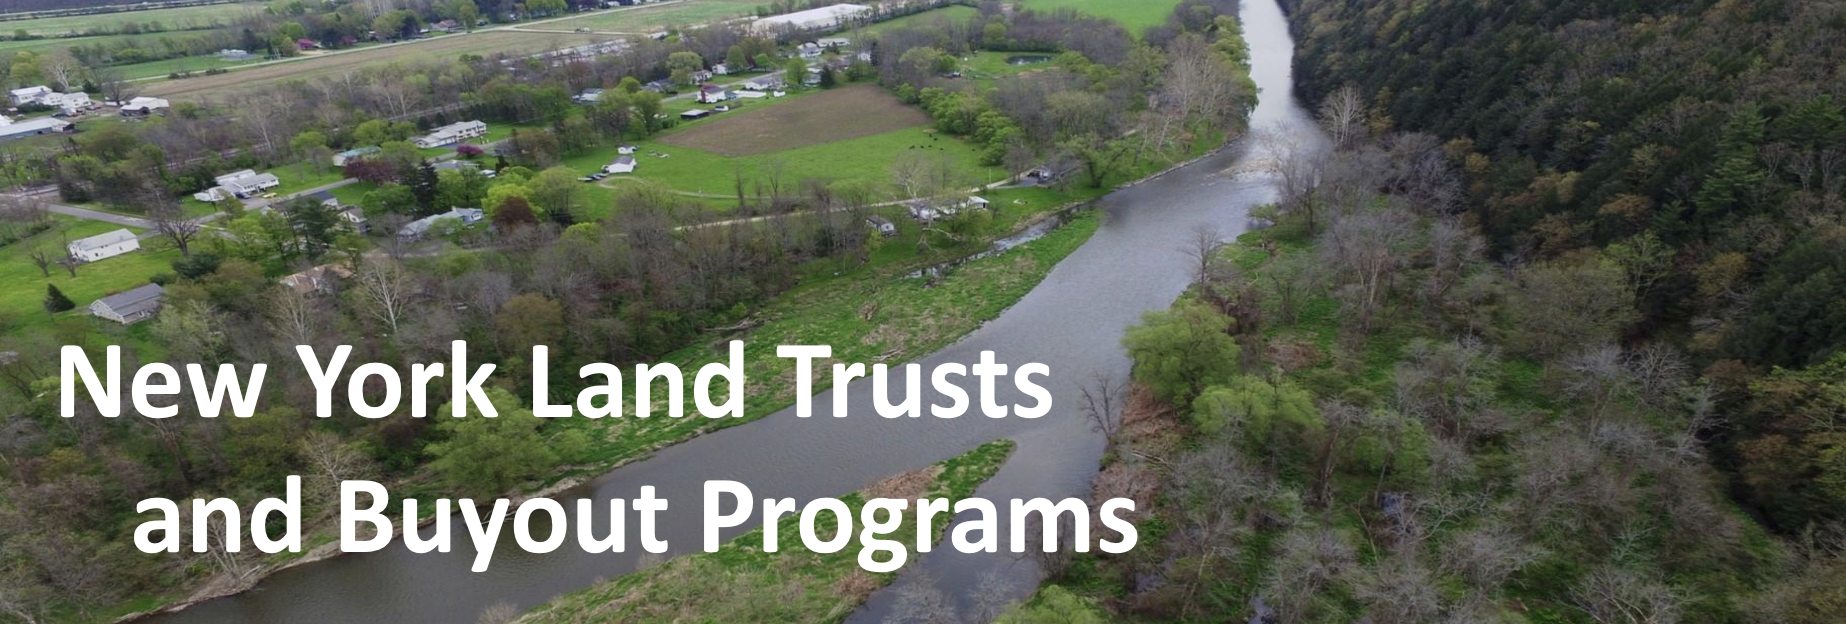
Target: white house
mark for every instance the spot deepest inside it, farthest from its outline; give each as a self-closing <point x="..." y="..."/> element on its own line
<point x="765" y="83"/>
<point x="622" y="164"/>
<point x="340" y="159"/>
<point x="29" y="95"/>
<point x="145" y="105"/>
<point x="418" y="228"/>
<point x="240" y="183"/>
<point x="809" y="50"/>
<point x="882" y="225"/>
<point x="69" y="103"/>
<point x="452" y="133"/>
<point x="709" y="94"/>
<point x="129" y="306"/>
<point x="701" y="75"/>
<point x="721" y="69"/>
<point x="104" y="245"/>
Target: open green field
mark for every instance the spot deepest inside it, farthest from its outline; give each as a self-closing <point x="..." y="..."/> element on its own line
<point x="952" y="13"/>
<point x="155" y="69"/>
<point x="22" y="286"/>
<point x="1135" y="15"/>
<point x="793" y="584"/>
<point x="646" y="19"/>
<point x="840" y="114"/>
<point x="869" y="158"/>
<point x="310" y="67"/>
<point x="177" y="18"/>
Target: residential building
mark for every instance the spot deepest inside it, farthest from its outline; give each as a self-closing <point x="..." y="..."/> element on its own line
<point x="33" y="127"/>
<point x="145" y="106"/>
<point x="241" y="183"/>
<point x="809" y="50"/>
<point x="129" y="306"/>
<point x="452" y="134"/>
<point x="235" y="54"/>
<point x="104" y="245"/>
<point x="589" y="96"/>
<point x="320" y="280"/>
<point x="622" y="164"/>
<point x="721" y="69"/>
<point x="696" y="113"/>
<point x="421" y="227"/>
<point x="882" y="225"/>
<point x="357" y="153"/>
<point x="709" y="94"/>
<point x="69" y="103"/>
<point x="833" y="43"/>
<point x="29" y="95"/>
<point x="354" y="217"/>
<point x="701" y="75"/>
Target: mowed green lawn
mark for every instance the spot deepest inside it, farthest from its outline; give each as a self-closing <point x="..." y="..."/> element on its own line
<point x="951" y="13"/>
<point x="1135" y="15"/>
<point x="869" y="158"/>
<point x="176" y="18"/>
<point x="647" y="19"/>
<point x="22" y="286"/>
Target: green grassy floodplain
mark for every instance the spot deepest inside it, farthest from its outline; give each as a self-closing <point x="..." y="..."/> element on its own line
<point x="175" y="18"/>
<point x="1134" y="15"/>
<point x="790" y="585"/>
<point x="646" y="19"/>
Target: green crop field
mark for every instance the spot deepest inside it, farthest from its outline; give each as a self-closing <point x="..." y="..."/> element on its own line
<point x="647" y="19"/>
<point x="1135" y="15"/>
<point x="167" y="19"/>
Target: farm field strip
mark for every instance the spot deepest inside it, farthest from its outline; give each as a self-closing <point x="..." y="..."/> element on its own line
<point x="641" y="20"/>
<point x="170" y="18"/>
<point x="511" y="41"/>
<point x="846" y="113"/>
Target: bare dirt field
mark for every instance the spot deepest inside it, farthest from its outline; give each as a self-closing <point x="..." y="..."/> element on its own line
<point x="846" y="113"/>
<point x="448" y="46"/>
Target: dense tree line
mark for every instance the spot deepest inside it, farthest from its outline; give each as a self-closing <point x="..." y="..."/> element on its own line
<point x="1697" y="145"/>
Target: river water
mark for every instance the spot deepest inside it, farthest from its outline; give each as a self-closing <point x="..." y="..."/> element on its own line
<point x="1073" y="322"/>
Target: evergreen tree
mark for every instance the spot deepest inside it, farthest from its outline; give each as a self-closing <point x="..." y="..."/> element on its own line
<point x="422" y="184"/>
<point x="55" y="301"/>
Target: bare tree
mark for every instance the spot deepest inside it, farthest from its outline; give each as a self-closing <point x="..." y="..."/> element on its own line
<point x="1298" y="163"/>
<point x="1104" y="396"/>
<point x="42" y="257"/>
<point x="1343" y="113"/>
<point x="115" y="87"/>
<point x="1615" y="595"/>
<point x="60" y="67"/>
<point x="170" y="221"/>
<point x="1201" y="251"/>
<point x="385" y="289"/>
<point x="1367" y="250"/>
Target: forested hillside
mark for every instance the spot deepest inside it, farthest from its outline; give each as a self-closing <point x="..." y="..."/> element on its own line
<point x="1697" y="146"/>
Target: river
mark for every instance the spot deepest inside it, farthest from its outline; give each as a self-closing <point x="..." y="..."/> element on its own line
<point x="1073" y="321"/>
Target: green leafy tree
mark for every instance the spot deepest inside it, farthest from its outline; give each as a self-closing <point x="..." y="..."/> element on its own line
<point x="489" y="456"/>
<point x="1181" y="352"/>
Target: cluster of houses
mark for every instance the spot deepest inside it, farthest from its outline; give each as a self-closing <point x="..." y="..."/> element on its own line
<point x="933" y="209"/>
<point x="66" y="103"/>
<point x="451" y="134"/>
<point x="241" y="184"/>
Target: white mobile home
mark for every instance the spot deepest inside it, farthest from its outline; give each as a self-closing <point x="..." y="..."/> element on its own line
<point x="104" y="245"/>
<point x="452" y="134"/>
